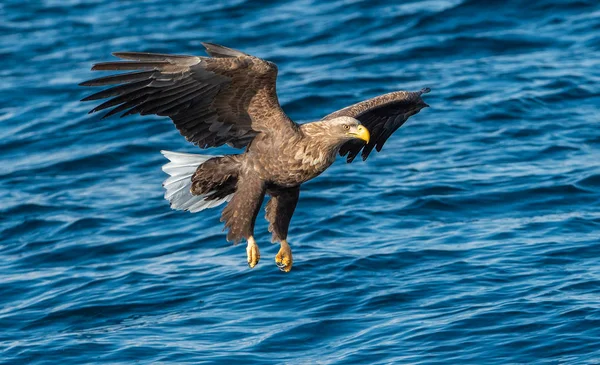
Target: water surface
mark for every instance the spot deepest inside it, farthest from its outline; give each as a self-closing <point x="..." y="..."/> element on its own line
<point x="473" y="237"/>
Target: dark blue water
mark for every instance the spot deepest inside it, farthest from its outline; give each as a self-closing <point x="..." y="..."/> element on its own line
<point x="473" y="237"/>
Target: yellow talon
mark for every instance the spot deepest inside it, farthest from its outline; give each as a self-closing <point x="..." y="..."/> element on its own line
<point x="283" y="259"/>
<point x="253" y="252"/>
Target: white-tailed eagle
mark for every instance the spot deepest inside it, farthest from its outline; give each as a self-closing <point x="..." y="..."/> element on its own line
<point x="230" y="98"/>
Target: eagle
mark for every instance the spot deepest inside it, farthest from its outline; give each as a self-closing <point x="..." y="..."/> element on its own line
<point x="230" y="98"/>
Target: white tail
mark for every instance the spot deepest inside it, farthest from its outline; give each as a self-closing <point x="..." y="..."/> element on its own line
<point x="177" y="186"/>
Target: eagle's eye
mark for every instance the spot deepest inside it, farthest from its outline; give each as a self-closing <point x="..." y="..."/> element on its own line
<point x="346" y="127"/>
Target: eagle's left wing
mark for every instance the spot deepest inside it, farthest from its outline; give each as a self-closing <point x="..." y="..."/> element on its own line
<point x="227" y="98"/>
<point x="382" y="116"/>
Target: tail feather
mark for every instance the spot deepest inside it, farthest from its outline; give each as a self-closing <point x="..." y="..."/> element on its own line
<point x="181" y="168"/>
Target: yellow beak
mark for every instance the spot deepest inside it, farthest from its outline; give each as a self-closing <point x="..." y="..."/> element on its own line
<point x="362" y="133"/>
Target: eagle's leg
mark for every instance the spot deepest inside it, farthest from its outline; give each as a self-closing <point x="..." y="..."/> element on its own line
<point x="279" y="214"/>
<point x="240" y="214"/>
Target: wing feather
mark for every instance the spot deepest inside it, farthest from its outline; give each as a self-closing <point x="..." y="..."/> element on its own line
<point x="119" y="79"/>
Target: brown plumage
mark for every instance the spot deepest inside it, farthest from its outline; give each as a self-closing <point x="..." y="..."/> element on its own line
<point x="230" y="98"/>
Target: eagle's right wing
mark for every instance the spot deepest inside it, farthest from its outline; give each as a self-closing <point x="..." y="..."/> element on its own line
<point x="226" y="98"/>
<point x="382" y="115"/>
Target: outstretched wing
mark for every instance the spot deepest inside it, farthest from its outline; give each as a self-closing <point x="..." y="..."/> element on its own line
<point x="226" y="98"/>
<point x="382" y="116"/>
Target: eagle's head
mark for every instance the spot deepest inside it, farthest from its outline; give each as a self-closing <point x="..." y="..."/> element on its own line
<point x="337" y="131"/>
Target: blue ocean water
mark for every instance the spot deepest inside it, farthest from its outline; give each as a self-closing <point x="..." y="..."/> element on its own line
<point x="472" y="238"/>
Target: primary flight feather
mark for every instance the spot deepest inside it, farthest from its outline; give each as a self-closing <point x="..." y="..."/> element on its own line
<point x="230" y="98"/>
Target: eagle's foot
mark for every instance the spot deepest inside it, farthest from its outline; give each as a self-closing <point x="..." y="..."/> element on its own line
<point x="284" y="257"/>
<point x="253" y="252"/>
